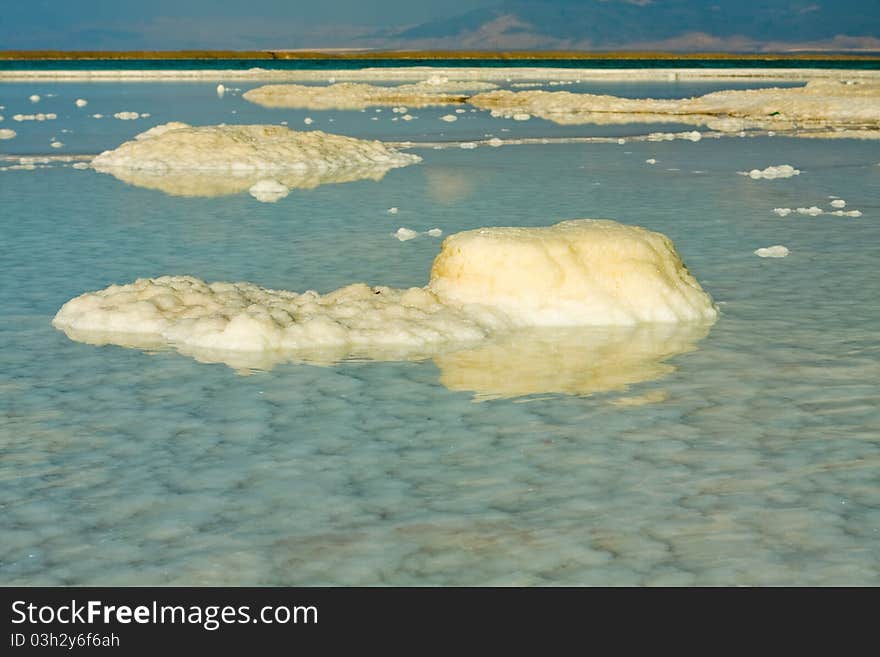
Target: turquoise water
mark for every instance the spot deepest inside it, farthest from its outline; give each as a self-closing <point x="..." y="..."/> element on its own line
<point x="750" y="455"/>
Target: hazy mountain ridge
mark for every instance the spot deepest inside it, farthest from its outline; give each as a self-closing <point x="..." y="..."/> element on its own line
<point x="680" y="24"/>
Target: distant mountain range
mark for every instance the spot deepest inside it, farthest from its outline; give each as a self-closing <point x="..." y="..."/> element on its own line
<point x="662" y="24"/>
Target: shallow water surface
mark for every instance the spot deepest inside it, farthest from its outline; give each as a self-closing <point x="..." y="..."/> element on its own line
<point x="745" y="454"/>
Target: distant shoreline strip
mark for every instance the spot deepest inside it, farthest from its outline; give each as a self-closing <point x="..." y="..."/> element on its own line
<point x="331" y="55"/>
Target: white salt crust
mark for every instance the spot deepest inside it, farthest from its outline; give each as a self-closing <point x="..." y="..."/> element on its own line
<point x="6" y="133"/>
<point x="821" y="105"/>
<point x="246" y="148"/>
<point x="49" y="116"/>
<point x="776" y="251"/>
<point x="348" y="95"/>
<point x="484" y="282"/>
<point x="405" y="234"/>
<point x="772" y="172"/>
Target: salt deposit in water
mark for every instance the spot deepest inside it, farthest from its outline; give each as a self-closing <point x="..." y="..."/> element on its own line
<point x="351" y="95"/>
<point x="772" y="172"/>
<point x="247" y="148"/>
<point x="776" y="251"/>
<point x="820" y="105"/>
<point x="485" y="285"/>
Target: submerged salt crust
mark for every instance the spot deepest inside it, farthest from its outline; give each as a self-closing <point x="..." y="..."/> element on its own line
<point x="484" y="284"/>
<point x="349" y="95"/>
<point x="820" y="105"/>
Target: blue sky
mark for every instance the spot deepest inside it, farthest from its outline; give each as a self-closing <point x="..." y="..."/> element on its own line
<point x="579" y="24"/>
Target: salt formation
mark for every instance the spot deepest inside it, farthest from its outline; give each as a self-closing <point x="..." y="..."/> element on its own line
<point x="838" y="203"/>
<point x="494" y="314"/>
<point x="247" y="148"/>
<point x="580" y="272"/>
<point x="435" y="232"/>
<point x="268" y="191"/>
<point x="449" y="118"/>
<point x="34" y="98"/>
<point x="221" y="90"/>
<point x="127" y="116"/>
<point x="772" y="172"/>
<point x="812" y="211"/>
<point x="351" y="95"/>
<point x="6" y="133"/>
<point x="404" y="234"/>
<point x="49" y="116"/>
<point x="776" y="251"/>
<point x="155" y="131"/>
<point x="81" y="102"/>
<point x="182" y="160"/>
<point x="820" y="105"/>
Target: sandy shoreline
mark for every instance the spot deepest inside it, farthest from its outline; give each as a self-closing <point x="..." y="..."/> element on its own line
<point x="416" y="73"/>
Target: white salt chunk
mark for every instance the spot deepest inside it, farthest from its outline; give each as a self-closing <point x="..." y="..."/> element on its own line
<point x="777" y="251"/>
<point x="404" y="234"/>
<point x="773" y="172"/>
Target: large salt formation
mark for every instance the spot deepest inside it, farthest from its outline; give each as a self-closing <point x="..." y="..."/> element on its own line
<point x="486" y="287"/>
<point x="831" y="108"/>
<point x="182" y="160"/>
<point x="353" y="95"/>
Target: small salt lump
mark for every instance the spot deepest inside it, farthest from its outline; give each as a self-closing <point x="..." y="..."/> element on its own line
<point x="404" y="234"/>
<point x="776" y="251"/>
